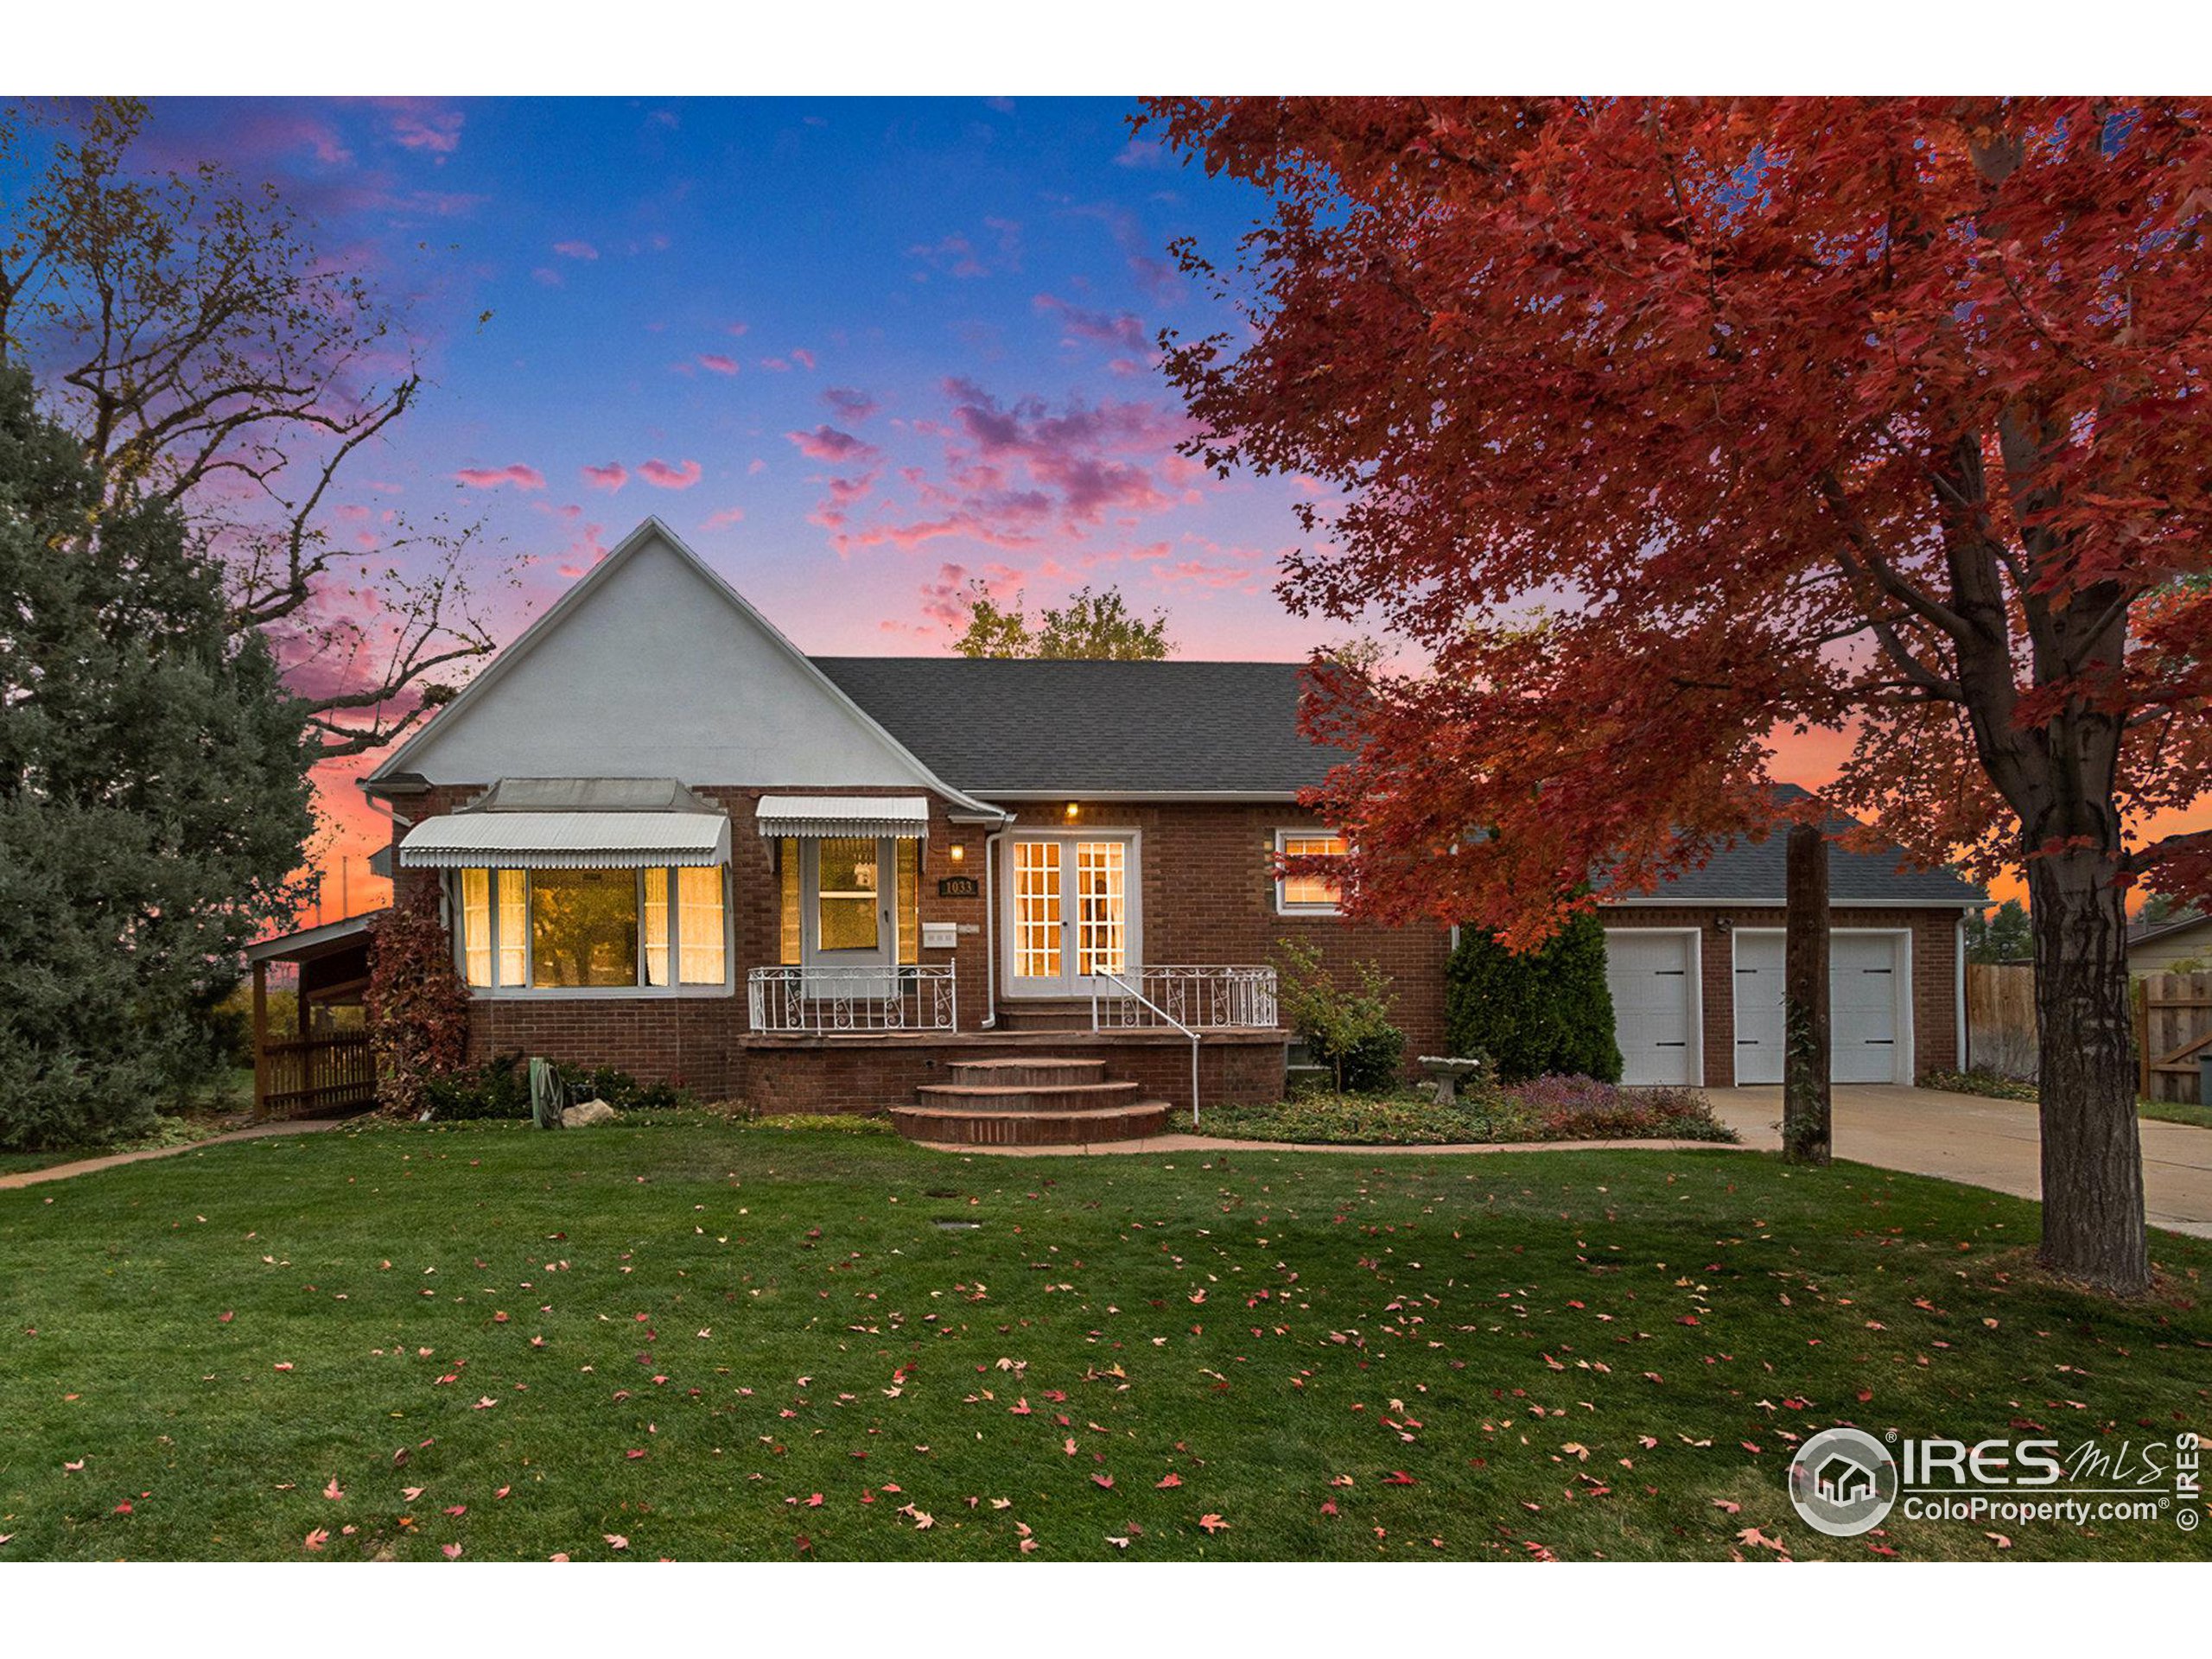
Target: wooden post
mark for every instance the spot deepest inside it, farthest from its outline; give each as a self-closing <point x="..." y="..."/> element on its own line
<point x="260" y="1036"/>
<point x="1805" y="1099"/>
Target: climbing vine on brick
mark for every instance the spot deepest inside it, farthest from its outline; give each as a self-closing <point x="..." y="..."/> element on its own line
<point x="418" y="1005"/>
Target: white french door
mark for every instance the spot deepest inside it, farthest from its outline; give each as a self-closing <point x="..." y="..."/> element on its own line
<point x="1072" y="913"/>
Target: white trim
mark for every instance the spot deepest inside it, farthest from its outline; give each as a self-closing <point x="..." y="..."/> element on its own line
<point x="503" y="663"/>
<point x="1132" y="893"/>
<point x="902" y="817"/>
<point x="1904" y="1067"/>
<point x="1210" y="797"/>
<point x="1283" y="906"/>
<point x="571" y="841"/>
<point x="1652" y="901"/>
<point x="1962" y="1059"/>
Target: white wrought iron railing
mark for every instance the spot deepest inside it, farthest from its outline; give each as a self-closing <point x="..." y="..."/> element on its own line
<point x="1201" y="998"/>
<point x="1187" y="999"/>
<point x="853" y="999"/>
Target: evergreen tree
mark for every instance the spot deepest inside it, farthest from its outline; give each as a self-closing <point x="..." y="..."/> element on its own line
<point x="1534" y="1012"/>
<point x="153" y="794"/>
<point x="2003" y="934"/>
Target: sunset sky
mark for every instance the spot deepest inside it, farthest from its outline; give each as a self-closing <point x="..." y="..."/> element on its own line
<point x="857" y="352"/>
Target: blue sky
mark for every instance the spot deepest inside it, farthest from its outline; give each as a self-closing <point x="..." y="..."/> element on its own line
<point x="860" y="353"/>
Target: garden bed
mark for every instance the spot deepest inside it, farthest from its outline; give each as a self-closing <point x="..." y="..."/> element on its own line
<point x="1548" y="1109"/>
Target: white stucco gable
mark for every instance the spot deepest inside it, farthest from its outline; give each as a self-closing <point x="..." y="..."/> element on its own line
<point x="652" y="666"/>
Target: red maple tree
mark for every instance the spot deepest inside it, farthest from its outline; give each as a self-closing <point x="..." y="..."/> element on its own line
<point x="1661" y="426"/>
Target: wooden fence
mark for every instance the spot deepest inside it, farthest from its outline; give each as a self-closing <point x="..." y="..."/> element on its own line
<point x="301" y="1077"/>
<point x="2173" y="1026"/>
<point x="2001" y="1018"/>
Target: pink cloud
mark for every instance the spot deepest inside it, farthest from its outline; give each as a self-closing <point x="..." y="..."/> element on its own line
<point x="739" y="328"/>
<point x="776" y="365"/>
<point x="1017" y="476"/>
<point x="827" y="443"/>
<point x="420" y="124"/>
<point x="804" y="358"/>
<point x="670" y="478"/>
<point x="574" y="249"/>
<point x="612" y="476"/>
<point x="850" y="402"/>
<point x="716" y="362"/>
<point x="548" y="276"/>
<point x="955" y="255"/>
<point x="1119" y="329"/>
<point x="726" y="515"/>
<point x="491" y="478"/>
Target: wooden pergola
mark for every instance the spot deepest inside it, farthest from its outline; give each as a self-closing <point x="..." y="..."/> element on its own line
<point x="325" y="1065"/>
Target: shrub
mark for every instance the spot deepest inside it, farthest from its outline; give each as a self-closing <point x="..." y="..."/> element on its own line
<point x="499" y="1088"/>
<point x="1547" y="1109"/>
<point x="1348" y="1032"/>
<point x="1534" y="1013"/>
<point x="418" y="1005"/>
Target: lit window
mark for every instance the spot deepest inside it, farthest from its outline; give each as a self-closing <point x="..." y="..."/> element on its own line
<point x="476" y="925"/>
<point x="699" y="924"/>
<point x="1308" y="895"/>
<point x="584" y="929"/>
<point x="847" y="895"/>
<point x="592" y="930"/>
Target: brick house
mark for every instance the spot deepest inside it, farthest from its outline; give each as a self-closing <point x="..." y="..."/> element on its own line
<point x="665" y="840"/>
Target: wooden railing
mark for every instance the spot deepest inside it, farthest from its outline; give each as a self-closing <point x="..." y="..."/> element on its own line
<point x="299" y="1077"/>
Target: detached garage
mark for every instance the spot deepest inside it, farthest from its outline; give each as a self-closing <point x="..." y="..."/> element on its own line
<point x="1695" y="968"/>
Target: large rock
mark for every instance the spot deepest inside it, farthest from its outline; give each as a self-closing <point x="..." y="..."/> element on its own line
<point x="585" y="1112"/>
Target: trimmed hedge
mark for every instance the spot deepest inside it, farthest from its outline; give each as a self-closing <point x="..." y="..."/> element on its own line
<point x="1540" y="1013"/>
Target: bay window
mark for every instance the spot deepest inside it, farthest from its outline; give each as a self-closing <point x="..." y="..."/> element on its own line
<point x="663" y="928"/>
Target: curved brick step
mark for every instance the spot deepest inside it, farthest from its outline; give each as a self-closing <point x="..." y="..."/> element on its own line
<point x="1039" y="1069"/>
<point x="1027" y="1096"/>
<point x="971" y="1129"/>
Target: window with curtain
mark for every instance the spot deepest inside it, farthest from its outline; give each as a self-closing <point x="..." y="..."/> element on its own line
<point x="660" y="929"/>
<point x="476" y="925"/>
<point x="910" y="907"/>
<point x="1317" y="896"/>
<point x="787" y="869"/>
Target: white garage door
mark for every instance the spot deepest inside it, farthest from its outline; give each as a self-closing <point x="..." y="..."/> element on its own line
<point x="1650" y="975"/>
<point x="1864" y="998"/>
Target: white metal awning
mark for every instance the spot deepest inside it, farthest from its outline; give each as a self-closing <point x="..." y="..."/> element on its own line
<point x="566" y="841"/>
<point x="906" y="816"/>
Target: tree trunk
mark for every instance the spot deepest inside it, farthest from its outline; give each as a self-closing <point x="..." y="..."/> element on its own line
<point x="2093" y="1226"/>
<point x="1805" y="1103"/>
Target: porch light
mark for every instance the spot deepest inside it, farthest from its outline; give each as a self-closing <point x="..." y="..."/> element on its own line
<point x="1074" y="811"/>
<point x="956" y="852"/>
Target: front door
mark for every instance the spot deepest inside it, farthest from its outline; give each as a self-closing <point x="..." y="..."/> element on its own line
<point x="1072" y="914"/>
<point x="848" y="931"/>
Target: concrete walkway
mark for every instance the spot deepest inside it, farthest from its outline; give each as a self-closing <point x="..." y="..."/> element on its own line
<point x="90" y="1166"/>
<point x="1992" y="1143"/>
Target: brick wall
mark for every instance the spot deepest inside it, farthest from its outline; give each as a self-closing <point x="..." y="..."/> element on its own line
<point x="865" y="1075"/>
<point x="1935" y="973"/>
<point x="1207" y="896"/>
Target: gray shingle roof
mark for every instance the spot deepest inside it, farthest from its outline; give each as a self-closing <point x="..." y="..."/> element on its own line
<point x="1755" y="872"/>
<point x="989" y="725"/>
<point x="999" y="725"/>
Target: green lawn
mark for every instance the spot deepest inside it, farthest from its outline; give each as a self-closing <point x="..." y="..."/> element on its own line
<point x="715" y="1340"/>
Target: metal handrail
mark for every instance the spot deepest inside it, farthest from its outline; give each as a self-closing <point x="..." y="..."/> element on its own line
<point x="1130" y="990"/>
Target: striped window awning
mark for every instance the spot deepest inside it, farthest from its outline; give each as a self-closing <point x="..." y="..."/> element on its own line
<point x="566" y="841"/>
<point x="906" y="816"/>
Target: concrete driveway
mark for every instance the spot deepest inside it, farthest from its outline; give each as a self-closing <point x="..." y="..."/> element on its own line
<point x="1982" y="1142"/>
